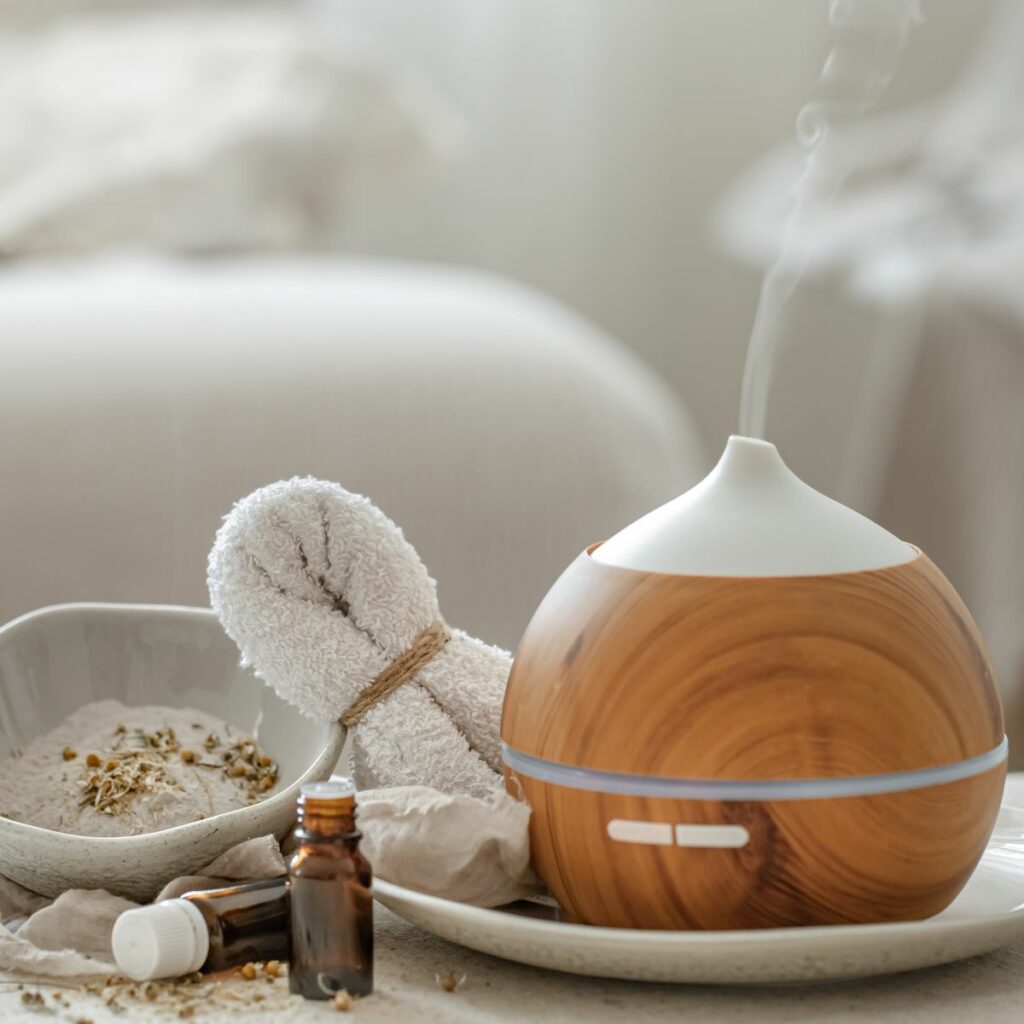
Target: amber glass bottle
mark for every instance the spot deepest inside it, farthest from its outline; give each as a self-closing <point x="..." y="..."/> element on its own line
<point x="211" y="930"/>
<point x="331" y="898"/>
<point x="246" y="922"/>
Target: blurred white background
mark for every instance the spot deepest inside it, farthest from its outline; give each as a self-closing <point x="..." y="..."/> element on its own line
<point x="600" y="135"/>
<point x="495" y="264"/>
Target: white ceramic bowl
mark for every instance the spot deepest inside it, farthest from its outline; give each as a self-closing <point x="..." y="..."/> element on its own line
<point x="54" y="660"/>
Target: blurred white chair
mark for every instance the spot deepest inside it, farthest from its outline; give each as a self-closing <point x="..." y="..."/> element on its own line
<point x="139" y="400"/>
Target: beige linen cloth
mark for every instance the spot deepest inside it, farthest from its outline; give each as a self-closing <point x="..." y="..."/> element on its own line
<point x="69" y="937"/>
<point x="463" y="848"/>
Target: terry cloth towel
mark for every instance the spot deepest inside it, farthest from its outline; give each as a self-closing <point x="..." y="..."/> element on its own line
<point x="322" y="593"/>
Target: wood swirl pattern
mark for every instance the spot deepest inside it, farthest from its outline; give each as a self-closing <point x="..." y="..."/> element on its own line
<point x="850" y="860"/>
<point x="760" y="678"/>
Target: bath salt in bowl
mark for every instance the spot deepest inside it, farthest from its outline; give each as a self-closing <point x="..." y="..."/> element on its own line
<point x="81" y="753"/>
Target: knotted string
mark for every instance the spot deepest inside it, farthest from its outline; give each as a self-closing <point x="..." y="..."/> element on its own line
<point x="423" y="649"/>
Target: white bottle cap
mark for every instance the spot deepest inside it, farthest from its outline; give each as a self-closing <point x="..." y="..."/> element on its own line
<point x="335" y="788"/>
<point x="165" y="940"/>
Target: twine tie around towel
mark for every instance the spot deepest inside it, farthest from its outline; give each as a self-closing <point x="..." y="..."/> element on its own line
<point x="423" y="649"/>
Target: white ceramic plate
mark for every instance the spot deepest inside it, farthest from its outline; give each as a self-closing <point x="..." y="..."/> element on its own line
<point x="989" y="913"/>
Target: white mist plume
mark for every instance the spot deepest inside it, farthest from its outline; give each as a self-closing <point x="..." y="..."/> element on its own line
<point x="868" y="39"/>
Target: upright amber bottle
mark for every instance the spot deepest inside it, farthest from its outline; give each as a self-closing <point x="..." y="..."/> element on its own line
<point x="331" y="899"/>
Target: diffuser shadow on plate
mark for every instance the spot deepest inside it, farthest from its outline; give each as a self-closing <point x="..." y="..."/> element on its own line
<point x="987" y="914"/>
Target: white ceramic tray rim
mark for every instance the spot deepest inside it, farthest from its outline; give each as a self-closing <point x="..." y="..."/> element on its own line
<point x="987" y="914"/>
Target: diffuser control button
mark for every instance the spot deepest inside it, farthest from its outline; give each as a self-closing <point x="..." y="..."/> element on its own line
<point x="717" y="836"/>
<point x="662" y="833"/>
<point x="651" y="833"/>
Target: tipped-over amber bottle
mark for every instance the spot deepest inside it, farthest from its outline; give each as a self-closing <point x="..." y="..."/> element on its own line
<point x="331" y="898"/>
<point x="210" y="930"/>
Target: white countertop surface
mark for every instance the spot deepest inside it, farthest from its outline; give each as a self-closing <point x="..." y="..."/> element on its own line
<point x="983" y="990"/>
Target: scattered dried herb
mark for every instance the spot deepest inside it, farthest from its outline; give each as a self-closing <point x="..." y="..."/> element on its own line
<point x="109" y="770"/>
<point x="110" y="785"/>
<point x="112" y="788"/>
<point x="449" y="982"/>
<point x="194" y="995"/>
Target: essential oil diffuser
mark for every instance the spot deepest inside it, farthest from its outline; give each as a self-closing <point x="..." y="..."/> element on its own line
<point x="754" y="708"/>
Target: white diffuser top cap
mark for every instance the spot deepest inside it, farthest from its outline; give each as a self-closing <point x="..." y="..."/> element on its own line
<point x="752" y="516"/>
<point x="164" y="940"/>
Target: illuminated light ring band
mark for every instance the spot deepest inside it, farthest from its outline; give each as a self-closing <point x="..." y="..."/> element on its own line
<point x="753" y="789"/>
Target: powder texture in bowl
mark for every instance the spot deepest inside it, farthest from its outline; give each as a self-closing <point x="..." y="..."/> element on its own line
<point x="113" y="770"/>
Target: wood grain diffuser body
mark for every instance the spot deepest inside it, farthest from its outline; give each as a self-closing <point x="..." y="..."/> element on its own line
<point x="754" y="708"/>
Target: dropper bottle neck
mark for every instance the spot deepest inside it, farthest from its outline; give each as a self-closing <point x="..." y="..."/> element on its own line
<point x="326" y="812"/>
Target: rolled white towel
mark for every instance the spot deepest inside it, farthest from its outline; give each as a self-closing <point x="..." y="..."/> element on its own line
<point x="322" y="593"/>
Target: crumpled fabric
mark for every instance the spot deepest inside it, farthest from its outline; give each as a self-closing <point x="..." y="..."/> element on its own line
<point x="462" y="848"/>
<point x="69" y="937"/>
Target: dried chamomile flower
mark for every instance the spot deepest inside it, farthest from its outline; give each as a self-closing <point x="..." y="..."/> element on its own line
<point x="449" y="981"/>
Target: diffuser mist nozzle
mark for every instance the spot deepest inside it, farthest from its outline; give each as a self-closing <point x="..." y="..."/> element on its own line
<point x="752" y="516"/>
